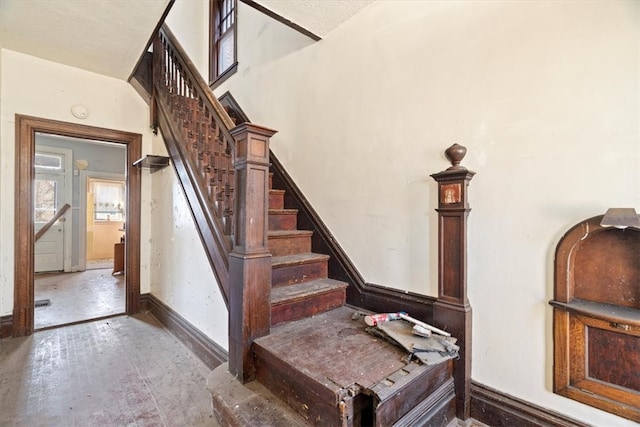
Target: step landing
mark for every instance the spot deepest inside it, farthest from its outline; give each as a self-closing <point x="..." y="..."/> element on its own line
<point x="330" y="371"/>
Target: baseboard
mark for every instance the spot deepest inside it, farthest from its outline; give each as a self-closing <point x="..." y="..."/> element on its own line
<point x="495" y="408"/>
<point x="202" y="346"/>
<point x="6" y="326"/>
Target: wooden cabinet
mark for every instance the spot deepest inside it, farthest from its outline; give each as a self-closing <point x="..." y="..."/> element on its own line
<point x="597" y="317"/>
<point x="118" y="258"/>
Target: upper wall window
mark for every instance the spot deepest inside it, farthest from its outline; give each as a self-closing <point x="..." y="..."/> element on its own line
<point x="222" y="40"/>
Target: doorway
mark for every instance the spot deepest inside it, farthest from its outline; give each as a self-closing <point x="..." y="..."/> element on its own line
<point x="26" y="184"/>
<point x="88" y="179"/>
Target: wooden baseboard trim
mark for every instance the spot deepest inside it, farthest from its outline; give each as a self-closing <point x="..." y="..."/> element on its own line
<point x="495" y="408"/>
<point x="202" y="346"/>
<point x="6" y="326"/>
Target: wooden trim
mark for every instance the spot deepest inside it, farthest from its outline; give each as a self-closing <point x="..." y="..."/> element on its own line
<point x="202" y="346"/>
<point x="224" y="76"/>
<point x="281" y="19"/>
<point x="498" y="409"/>
<point x="6" y="326"/>
<point x="52" y="221"/>
<point x="154" y="34"/>
<point x="26" y="128"/>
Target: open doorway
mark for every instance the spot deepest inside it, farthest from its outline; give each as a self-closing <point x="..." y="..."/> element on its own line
<point x="79" y="224"/>
<point x="25" y="225"/>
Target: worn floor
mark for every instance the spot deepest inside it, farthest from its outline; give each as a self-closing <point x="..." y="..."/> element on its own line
<point x="121" y="371"/>
<point x="78" y="296"/>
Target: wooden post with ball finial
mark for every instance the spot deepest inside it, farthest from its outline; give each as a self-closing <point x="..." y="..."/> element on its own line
<point x="452" y="310"/>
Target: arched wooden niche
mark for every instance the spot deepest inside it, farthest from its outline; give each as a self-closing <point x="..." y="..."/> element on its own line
<point x="596" y="317"/>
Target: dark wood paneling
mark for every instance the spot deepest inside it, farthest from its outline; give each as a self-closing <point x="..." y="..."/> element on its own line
<point x="202" y="346"/>
<point x="6" y="326"/>
<point x="606" y="365"/>
<point x="606" y="269"/>
<point x="498" y="409"/>
<point x="26" y="128"/>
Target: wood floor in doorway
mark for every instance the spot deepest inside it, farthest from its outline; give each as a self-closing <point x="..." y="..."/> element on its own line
<point x="78" y="296"/>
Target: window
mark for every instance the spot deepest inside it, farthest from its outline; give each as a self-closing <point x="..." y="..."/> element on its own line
<point x="108" y="199"/>
<point x="222" y="39"/>
<point x="49" y="161"/>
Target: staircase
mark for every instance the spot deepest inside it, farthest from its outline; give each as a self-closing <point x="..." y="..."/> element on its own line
<point x="300" y="286"/>
<point x="297" y="354"/>
<point x="318" y="358"/>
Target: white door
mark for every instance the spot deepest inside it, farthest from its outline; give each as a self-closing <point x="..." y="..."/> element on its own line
<point x="48" y="198"/>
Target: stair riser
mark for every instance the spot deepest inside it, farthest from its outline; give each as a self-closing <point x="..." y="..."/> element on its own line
<point x="311" y="400"/>
<point x="283" y="222"/>
<point x="292" y="274"/>
<point x="289" y="245"/>
<point x="276" y="201"/>
<point x="307" y="307"/>
<point x="397" y="403"/>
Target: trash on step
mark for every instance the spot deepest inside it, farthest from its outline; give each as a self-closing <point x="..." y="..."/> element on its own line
<point x="373" y="319"/>
<point x="429" y="344"/>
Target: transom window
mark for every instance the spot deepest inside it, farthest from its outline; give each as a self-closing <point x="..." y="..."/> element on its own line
<point x="222" y="30"/>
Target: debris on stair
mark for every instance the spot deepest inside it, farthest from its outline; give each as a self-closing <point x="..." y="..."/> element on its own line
<point x="427" y="343"/>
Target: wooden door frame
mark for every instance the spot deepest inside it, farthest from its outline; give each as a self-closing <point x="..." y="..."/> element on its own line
<point x="26" y="128"/>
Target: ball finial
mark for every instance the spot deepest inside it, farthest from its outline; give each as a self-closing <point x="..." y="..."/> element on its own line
<point x="455" y="154"/>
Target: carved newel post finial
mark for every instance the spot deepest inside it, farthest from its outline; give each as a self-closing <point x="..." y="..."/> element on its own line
<point x="455" y="154"/>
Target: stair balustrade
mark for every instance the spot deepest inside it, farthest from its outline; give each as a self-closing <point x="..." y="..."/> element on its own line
<point x="223" y="170"/>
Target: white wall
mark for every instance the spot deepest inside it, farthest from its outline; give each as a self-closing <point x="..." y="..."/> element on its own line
<point x="35" y="87"/>
<point x="545" y="95"/>
<point x="181" y="276"/>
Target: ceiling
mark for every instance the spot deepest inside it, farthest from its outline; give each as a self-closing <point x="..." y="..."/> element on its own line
<point x="103" y="36"/>
<point x="109" y="36"/>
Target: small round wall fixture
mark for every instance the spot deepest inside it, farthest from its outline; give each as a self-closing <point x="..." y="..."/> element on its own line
<point x="79" y="111"/>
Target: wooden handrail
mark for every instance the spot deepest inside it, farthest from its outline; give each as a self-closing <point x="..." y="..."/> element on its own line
<point x="224" y="172"/>
<point x="52" y="221"/>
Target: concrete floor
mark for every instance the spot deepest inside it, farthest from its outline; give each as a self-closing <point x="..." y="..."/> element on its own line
<point x="121" y="371"/>
<point x="78" y="296"/>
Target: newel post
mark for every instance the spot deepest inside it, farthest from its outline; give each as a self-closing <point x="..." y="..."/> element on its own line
<point x="250" y="260"/>
<point x="452" y="309"/>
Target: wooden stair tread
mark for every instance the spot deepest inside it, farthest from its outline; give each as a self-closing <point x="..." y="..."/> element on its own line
<point x="289" y="233"/>
<point x="276" y="191"/>
<point x="285" y="294"/>
<point x="357" y="357"/>
<point x="297" y="259"/>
